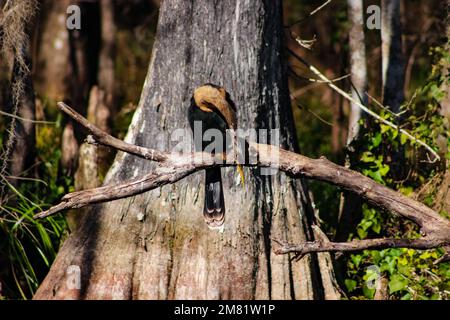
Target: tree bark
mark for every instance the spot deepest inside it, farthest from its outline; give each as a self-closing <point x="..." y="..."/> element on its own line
<point x="93" y="161"/>
<point x="350" y="206"/>
<point x="53" y="67"/>
<point x="156" y="245"/>
<point x="393" y="73"/>
<point x="107" y="52"/>
<point x="443" y="193"/>
<point x="358" y="65"/>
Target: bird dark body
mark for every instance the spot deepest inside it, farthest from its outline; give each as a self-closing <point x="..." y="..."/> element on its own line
<point x="212" y="106"/>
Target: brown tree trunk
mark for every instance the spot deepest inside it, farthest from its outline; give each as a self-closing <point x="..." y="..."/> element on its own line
<point x="52" y="72"/>
<point x="156" y="245"/>
<point x="358" y="65"/>
<point x="393" y="73"/>
<point x="66" y="62"/>
<point x="107" y="53"/>
<point x="442" y="202"/>
<point x="350" y="207"/>
<point x="93" y="161"/>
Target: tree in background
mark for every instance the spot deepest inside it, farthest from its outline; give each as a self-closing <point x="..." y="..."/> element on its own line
<point x="350" y="207"/>
<point x="393" y="66"/>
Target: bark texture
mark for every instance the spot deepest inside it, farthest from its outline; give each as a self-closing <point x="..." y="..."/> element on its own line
<point x="107" y="52"/>
<point x="393" y="73"/>
<point x="350" y="206"/>
<point x="93" y="161"/>
<point x="53" y="67"/>
<point x="358" y="65"/>
<point x="156" y="245"/>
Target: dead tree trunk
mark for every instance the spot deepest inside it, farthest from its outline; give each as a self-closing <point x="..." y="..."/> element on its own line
<point x="350" y="208"/>
<point x="156" y="245"/>
<point x="393" y="73"/>
<point x="443" y="194"/>
<point x="107" y="52"/>
<point x="358" y="65"/>
<point x="53" y="67"/>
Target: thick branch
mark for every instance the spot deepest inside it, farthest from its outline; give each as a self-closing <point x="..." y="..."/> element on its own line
<point x="173" y="167"/>
<point x="146" y="183"/>
<point x="101" y="137"/>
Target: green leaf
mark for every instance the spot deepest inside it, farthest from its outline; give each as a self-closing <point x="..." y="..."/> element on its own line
<point x="375" y="175"/>
<point x="362" y="233"/>
<point x="368" y="293"/>
<point x="397" y="283"/>
<point x="376" y="140"/>
<point x="367" y="157"/>
<point x="403" y="138"/>
<point x="437" y="93"/>
<point x="371" y="275"/>
<point x="406" y="190"/>
<point x="384" y="170"/>
<point x="376" y="228"/>
<point x="356" y="259"/>
<point x="366" y="224"/>
<point x="394" y="134"/>
<point x="350" y="284"/>
<point x="406" y="297"/>
<point x="384" y="128"/>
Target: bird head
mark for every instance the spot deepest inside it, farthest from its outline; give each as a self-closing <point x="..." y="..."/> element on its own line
<point x="212" y="98"/>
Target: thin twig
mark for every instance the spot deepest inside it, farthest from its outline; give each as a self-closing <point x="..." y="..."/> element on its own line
<point x="26" y="120"/>
<point x="301" y="107"/>
<point x="379" y="104"/>
<point x="311" y="13"/>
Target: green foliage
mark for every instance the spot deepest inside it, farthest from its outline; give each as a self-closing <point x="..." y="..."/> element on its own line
<point x="411" y="273"/>
<point x="28" y="246"/>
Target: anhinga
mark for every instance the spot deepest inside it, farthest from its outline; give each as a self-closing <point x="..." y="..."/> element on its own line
<point x="212" y="105"/>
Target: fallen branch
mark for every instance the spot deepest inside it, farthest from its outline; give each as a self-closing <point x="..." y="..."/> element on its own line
<point x="357" y="245"/>
<point x="323" y="244"/>
<point x="173" y="167"/>
<point x="310" y="14"/>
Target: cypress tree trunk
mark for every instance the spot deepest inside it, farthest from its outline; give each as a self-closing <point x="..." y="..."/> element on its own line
<point x="156" y="245"/>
